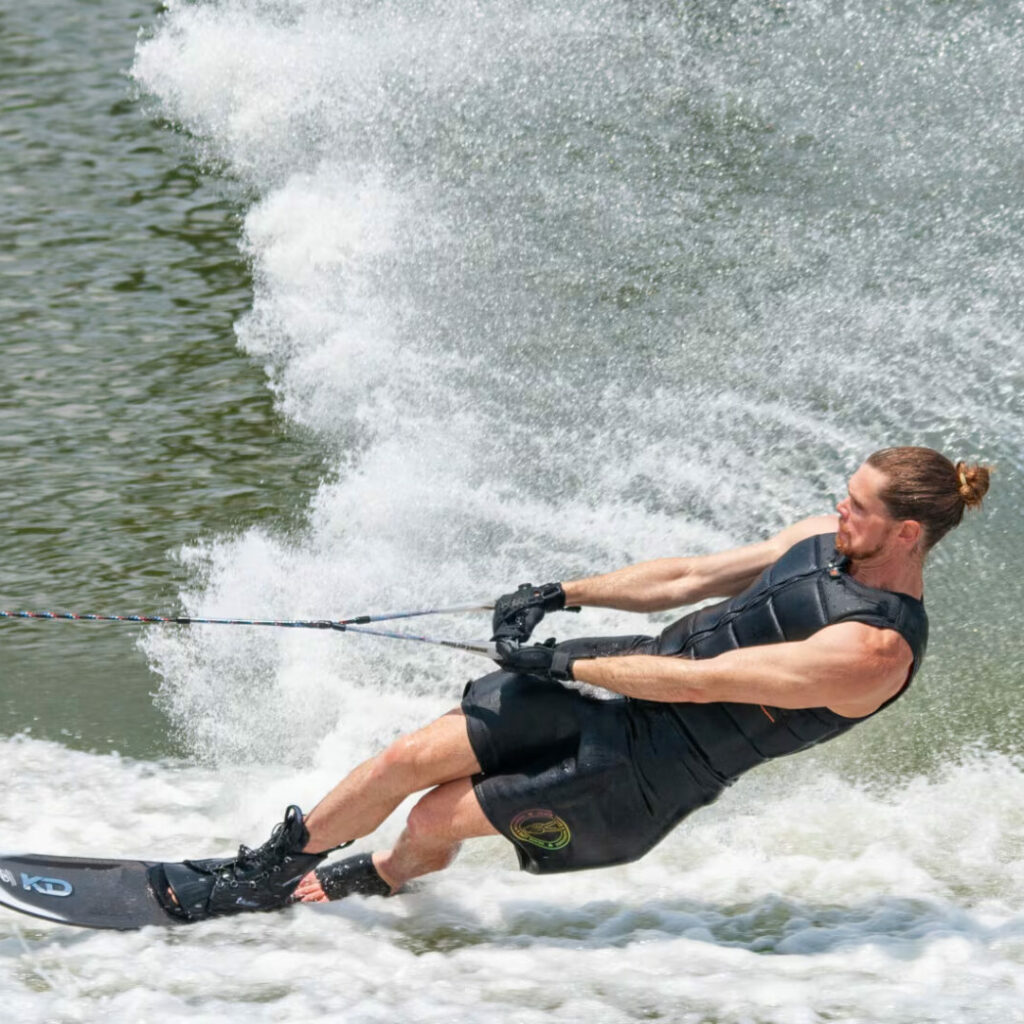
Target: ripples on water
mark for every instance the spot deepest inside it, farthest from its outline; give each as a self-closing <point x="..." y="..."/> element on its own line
<point x="128" y="422"/>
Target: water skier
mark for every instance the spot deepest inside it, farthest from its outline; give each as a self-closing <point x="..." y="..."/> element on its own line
<point x="820" y="628"/>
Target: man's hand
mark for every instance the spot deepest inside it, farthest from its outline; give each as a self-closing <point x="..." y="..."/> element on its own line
<point x="516" y="615"/>
<point x="548" y="660"/>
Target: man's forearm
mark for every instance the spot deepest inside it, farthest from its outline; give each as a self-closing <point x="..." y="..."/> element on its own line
<point x="645" y="587"/>
<point x="642" y="676"/>
<point x="671" y="582"/>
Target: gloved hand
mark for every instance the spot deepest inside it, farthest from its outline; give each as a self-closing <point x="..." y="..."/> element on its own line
<point x="516" y="615"/>
<point x="548" y="660"/>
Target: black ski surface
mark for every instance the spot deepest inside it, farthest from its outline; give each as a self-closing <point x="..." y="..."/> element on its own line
<point x="82" y="891"/>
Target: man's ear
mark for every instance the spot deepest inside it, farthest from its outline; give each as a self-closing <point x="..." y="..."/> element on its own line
<point x="910" y="532"/>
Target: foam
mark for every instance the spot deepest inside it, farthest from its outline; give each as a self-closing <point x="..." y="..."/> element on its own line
<point x="790" y="899"/>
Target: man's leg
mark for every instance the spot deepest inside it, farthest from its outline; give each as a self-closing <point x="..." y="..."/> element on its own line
<point x="429" y="842"/>
<point x="436" y="754"/>
<point x="263" y="878"/>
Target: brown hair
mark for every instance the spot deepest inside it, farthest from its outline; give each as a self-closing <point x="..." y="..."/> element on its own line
<point x="925" y="486"/>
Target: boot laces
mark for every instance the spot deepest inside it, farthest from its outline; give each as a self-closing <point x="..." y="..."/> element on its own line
<point x="256" y="864"/>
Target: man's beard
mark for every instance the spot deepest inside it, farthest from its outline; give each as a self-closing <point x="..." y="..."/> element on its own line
<point x="843" y="547"/>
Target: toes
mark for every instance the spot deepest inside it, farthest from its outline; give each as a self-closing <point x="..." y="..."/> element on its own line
<point x="309" y="890"/>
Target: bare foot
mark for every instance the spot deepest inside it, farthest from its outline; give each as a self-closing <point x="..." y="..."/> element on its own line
<point x="309" y="890"/>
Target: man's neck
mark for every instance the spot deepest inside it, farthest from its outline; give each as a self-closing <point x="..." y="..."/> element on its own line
<point x="891" y="572"/>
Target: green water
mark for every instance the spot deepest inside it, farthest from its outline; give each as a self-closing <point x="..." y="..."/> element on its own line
<point x="129" y="422"/>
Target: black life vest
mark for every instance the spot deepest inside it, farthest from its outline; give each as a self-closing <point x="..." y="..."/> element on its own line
<point x="807" y="589"/>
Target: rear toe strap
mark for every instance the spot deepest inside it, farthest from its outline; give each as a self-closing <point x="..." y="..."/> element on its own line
<point x="353" y="876"/>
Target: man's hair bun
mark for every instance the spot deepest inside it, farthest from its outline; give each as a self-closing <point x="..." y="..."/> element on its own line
<point x="972" y="481"/>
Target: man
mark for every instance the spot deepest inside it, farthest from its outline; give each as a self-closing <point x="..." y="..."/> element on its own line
<point x="821" y="627"/>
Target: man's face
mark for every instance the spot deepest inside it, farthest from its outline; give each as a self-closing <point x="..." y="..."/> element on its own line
<point x="865" y="527"/>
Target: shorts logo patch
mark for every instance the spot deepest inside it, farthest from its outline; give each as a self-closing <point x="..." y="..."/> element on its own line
<point x="542" y="828"/>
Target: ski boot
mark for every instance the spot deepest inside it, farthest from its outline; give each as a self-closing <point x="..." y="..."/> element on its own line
<point x="260" y="879"/>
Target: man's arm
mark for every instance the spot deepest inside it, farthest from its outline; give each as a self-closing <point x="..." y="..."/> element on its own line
<point x="671" y="582"/>
<point x="851" y="668"/>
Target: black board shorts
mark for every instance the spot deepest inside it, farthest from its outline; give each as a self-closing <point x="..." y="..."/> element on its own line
<point x="577" y="782"/>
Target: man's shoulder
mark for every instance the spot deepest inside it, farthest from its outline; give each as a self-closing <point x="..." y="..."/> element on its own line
<point x="865" y="640"/>
<point x="812" y="526"/>
<point x="876" y="665"/>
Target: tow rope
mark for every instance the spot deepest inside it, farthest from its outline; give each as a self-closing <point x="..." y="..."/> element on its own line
<point x="356" y="624"/>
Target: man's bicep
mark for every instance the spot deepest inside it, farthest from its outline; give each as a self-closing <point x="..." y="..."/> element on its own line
<point x="876" y="665"/>
<point x="845" y="664"/>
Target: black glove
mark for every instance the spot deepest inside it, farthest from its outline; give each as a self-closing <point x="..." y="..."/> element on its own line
<point x="548" y="660"/>
<point x="516" y="615"/>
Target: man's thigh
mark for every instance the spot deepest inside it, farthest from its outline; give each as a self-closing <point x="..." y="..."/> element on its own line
<point x="451" y="812"/>
<point x="438" y="753"/>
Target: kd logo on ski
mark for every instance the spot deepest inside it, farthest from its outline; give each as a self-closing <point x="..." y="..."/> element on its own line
<point x="46" y="886"/>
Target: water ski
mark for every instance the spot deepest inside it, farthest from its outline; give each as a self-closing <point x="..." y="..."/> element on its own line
<point x="82" y="891"/>
<point x="127" y="894"/>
